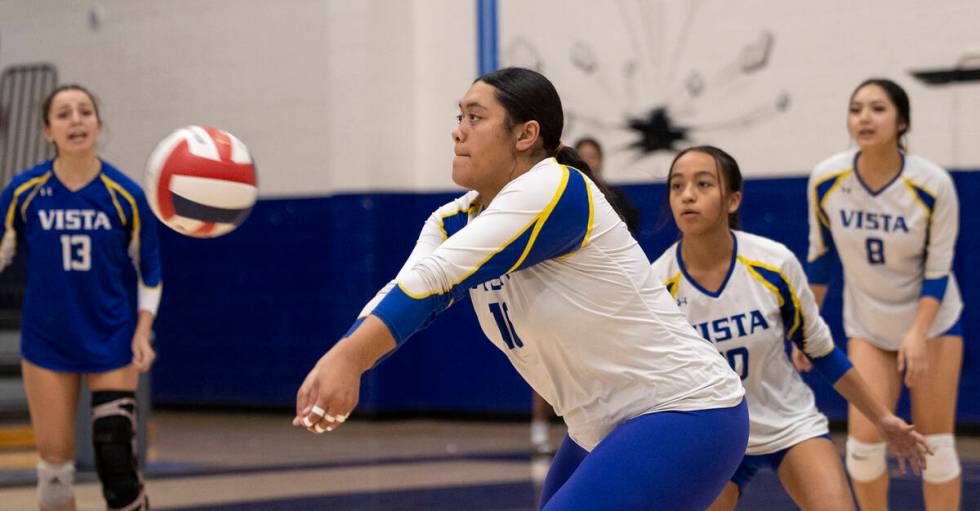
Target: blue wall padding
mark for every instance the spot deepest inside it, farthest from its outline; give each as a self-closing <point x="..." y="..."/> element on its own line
<point x="245" y="316"/>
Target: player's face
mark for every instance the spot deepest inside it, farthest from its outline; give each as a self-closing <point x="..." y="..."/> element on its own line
<point x="696" y="198"/>
<point x="872" y="118"/>
<point x="74" y="125"/>
<point x="483" y="145"/>
<point x="591" y="156"/>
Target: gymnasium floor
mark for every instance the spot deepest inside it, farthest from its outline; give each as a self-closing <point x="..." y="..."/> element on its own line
<point x="238" y="461"/>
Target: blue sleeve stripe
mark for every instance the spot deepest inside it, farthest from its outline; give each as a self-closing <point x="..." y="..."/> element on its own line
<point x="566" y="225"/>
<point x="789" y="304"/>
<point x="924" y="197"/>
<point x="454" y="222"/>
<point x="833" y="365"/>
<point x="823" y="189"/>
<point x="935" y="288"/>
<point x="821" y="269"/>
<point x="404" y="315"/>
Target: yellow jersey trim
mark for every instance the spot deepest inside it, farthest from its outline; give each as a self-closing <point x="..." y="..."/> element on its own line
<point x="798" y="312"/>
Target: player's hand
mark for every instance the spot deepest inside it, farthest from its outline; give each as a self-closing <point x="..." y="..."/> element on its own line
<point x="801" y="361"/>
<point x="143" y="353"/>
<point x="913" y="358"/>
<point x="329" y="393"/>
<point x="910" y="446"/>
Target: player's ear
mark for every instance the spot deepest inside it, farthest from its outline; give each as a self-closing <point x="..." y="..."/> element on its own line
<point x="528" y="134"/>
<point x="734" y="201"/>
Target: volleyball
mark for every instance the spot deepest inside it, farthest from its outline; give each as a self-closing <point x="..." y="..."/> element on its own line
<point x="201" y="181"/>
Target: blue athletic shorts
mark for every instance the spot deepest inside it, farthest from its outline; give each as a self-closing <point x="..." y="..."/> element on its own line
<point x="663" y="460"/>
<point x="751" y="464"/>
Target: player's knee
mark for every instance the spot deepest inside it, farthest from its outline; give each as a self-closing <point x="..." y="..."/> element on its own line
<point x="54" y="483"/>
<point x="114" y="436"/>
<point x="944" y="465"/>
<point x="865" y="461"/>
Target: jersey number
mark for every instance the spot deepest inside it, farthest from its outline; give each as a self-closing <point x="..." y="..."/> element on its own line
<point x="876" y="250"/>
<point x="499" y="311"/>
<point x="76" y="252"/>
<point x="738" y="358"/>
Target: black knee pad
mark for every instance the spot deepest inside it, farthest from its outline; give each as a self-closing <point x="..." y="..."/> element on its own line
<point x="114" y="436"/>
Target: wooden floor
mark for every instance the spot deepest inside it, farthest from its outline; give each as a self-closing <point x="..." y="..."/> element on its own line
<point x="242" y="461"/>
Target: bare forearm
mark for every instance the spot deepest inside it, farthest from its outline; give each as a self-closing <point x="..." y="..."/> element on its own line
<point x="371" y="341"/>
<point x="144" y="321"/>
<point x="857" y="392"/>
<point x="925" y="314"/>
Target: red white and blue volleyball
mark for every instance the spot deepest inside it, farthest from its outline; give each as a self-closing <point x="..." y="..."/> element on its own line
<point x="201" y="181"/>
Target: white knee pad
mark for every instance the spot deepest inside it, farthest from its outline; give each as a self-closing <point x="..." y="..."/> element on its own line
<point x="54" y="483"/>
<point x="865" y="462"/>
<point x="944" y="465"/>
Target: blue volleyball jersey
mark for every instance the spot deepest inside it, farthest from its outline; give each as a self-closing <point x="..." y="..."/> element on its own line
<point x="92" y="258"/>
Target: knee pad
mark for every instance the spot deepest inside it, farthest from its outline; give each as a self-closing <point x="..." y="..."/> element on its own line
<point x="114" y="438"/>
<point x="54" y="483"/>
<point x="865" y="462"/>
<point x="944" y="465"/>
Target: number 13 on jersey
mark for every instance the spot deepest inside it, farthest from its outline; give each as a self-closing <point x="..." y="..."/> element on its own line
<point x="76" y="252"/>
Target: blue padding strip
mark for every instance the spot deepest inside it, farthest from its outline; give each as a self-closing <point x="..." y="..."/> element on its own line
<point x="935" y="288"/>
<point x="832" y="365"/>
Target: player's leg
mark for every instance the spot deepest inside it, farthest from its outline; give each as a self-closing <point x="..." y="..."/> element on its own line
<point x="114" y="437"/>
<point x="866" y="450"/>
<point x="934" y="415"/>
<point x="727" y="499"/>
<point x="567" y="459"/>
<point x="52" y="398"/>
<point x="664" y="460"/>
<point x="812" y="474"/>
<point x="540" y="416"/>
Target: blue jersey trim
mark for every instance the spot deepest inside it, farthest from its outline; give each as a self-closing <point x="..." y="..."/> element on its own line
<point x="731" y="268"/>
<point x="833" y="365"/>
<point x="901" y="169"/>
<point x="404" y="315"/>
<point x="357" y="323"/>
<point x="790" y="311"/>
<point x="935" y="288"/>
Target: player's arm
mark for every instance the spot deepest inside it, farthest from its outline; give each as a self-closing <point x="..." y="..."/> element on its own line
<point x="9" y="223"/>
<point x="543" y="216"/>
<point x="943" y="208"/>
<point x="815" y="339"/>
<point x="148" y="262"/>
<point x="149" y="280"/>
<point x="821" y="252"/>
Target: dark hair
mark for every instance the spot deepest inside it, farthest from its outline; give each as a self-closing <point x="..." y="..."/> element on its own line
<point x="46" y="106"/>
<point x="588" y="141"/>
<point x="527" y="95"/>
<point x="898" y="97"/>
<point x="728" y="171"/>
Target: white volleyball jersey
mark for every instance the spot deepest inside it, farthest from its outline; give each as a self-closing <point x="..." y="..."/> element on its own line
<point x="560" y="286"/>
<point x="895" y="245"/>
<point x="762" y="306"/>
